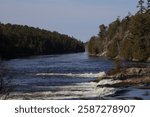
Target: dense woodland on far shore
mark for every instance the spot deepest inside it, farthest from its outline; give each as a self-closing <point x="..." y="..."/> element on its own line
<point x="127" y="39"/>
<point x="21" y="41"/>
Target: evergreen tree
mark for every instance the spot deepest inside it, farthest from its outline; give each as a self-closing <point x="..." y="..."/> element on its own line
<point x="127" y="39"/>
<point x="20" y="41"/>
<point x="103" y="30"/>
<point x="141" y="7"/>
<point x="148" y="4"/>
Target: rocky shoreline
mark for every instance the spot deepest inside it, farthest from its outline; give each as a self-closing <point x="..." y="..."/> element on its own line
<point x="133" y="81"/>
<point x="104" y="54"/>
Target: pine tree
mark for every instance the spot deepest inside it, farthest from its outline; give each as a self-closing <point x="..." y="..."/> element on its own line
<point x="141" y="7"/>
<point x="148" y="4"/>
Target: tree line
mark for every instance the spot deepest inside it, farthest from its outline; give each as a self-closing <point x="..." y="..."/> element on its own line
<point x="127" y="39"/>
<point x="20" y="41"/>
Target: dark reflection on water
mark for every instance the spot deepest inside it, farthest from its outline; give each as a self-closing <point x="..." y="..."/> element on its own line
<point x="69" y="63"/>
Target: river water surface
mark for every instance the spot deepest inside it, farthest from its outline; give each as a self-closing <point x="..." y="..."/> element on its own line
<point x="69" y="76"/>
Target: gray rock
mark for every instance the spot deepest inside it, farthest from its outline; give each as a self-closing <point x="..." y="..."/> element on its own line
<point x="148" y="60"/>
<point x="138" y="71"/>
<point x="121" y="76"/>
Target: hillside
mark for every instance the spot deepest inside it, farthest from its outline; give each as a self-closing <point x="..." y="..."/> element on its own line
<point x="126" y="39"/>
<point x="20" y="41"/>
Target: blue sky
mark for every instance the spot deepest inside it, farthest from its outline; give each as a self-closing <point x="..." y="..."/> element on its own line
<point x="78" y="18"/>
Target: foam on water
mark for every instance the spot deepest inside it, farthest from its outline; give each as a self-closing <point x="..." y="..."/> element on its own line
<point x="108" y="81"/>
<point x="83" y="90"/>
<point x="84" y="75"/>
<point x="87" y="90"/>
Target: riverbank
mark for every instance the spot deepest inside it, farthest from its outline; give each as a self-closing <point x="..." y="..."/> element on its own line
<point x="132" y="83"/>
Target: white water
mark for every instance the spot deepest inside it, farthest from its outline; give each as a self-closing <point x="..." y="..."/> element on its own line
<point x="85" y="90"/>
<point x="108" y="81"/>
<point x="75" y="91"/>
<point x="85" y="75"/>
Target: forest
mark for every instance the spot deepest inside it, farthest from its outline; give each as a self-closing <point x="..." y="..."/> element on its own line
<point x="20" y="41"/>
<point x="125" y="39"/>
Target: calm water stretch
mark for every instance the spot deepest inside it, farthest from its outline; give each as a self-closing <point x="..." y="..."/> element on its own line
<point x="69" y="76"/>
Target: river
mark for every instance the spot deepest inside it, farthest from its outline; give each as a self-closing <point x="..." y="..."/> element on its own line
<point x="68" y="76"/>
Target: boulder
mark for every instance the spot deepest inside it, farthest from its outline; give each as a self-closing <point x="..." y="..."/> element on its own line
<point x="135" y="60"/>
<point x="148" y="60"/>
<point x="138" y="71"/>
<point x="121" y="76"/>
